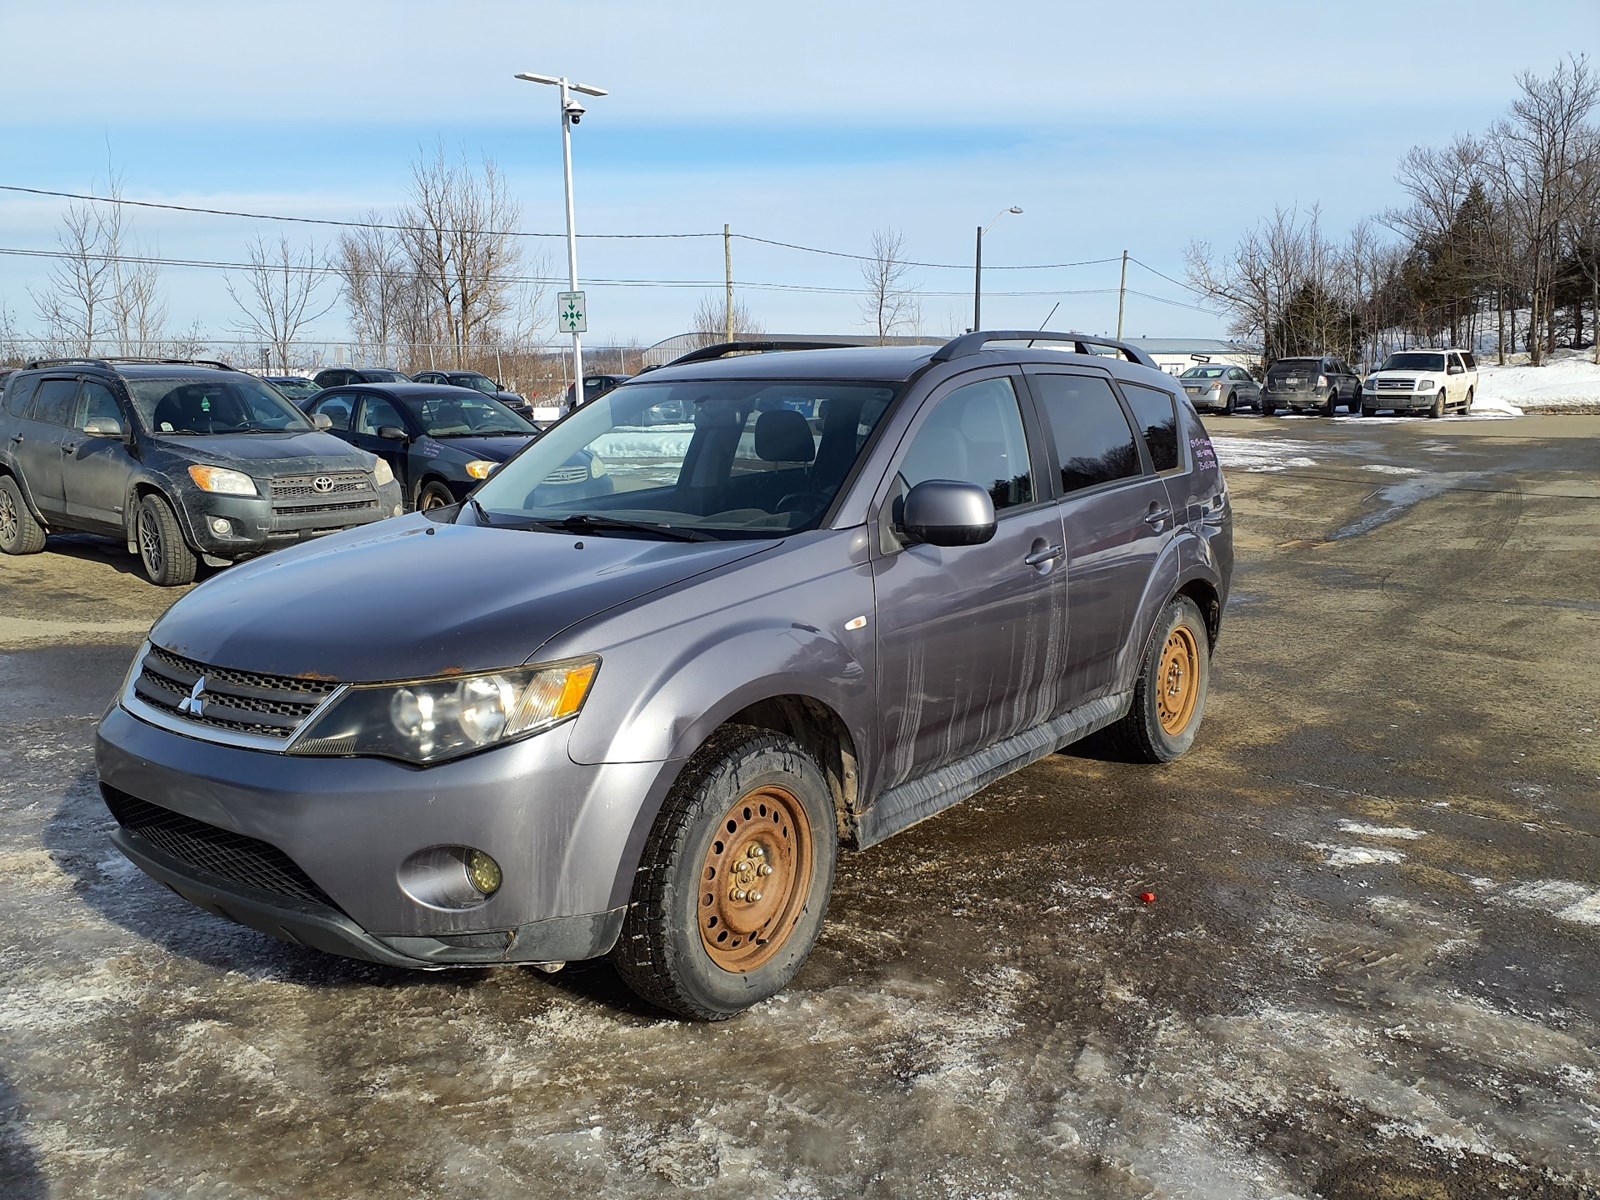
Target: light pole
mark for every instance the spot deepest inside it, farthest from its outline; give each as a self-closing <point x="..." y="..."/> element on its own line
<point x="977" y="268"/>
<point x="571" y="113"/>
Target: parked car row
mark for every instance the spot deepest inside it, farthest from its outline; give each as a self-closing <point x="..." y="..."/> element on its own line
<point x="1430" y="381"/>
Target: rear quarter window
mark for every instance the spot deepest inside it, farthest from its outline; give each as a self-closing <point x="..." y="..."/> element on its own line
<point x="1156" y="414"/>
<point x="18" y="393"/>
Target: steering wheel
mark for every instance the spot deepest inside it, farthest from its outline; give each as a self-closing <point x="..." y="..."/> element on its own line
<point x="808" y="503"/>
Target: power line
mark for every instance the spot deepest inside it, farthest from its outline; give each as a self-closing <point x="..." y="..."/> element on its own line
<point x="397" y="228"/>
<point x="325" y="269"/>
<point x="1188" y="287"/>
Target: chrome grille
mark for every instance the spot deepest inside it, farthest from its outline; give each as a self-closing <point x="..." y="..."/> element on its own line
<point x="304" y="487"/>
<point x="271" y="706"/>
<point x="567" y="475"/>
<point x="1396" y="385"/>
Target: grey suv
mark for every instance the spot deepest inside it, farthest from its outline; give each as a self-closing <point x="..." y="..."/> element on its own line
<point x="831" y="593"/>
<point x="186" y="461"/>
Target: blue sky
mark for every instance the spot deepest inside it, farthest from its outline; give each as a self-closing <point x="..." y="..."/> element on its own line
<point x="1142" y="130"/>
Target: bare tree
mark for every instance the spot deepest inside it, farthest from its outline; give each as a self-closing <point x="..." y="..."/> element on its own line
<point x="280" y="294"/>
<point x="461" y="247"/>
<point x="891" y="303"/>
<point x="379" y="286"/>
<point x="710" y="321"/>
<point x="1537" y="156"/>
<point x="73" y="305"/>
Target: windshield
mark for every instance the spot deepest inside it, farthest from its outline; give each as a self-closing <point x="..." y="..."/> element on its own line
<point x="1413" y="361"/>
<point x="367" y="375"/>
<point x="453" y="413"/>
<point x="220" y="403"/>
<point x="295" y="389"/>
<point x="749" y="458"/>
<point x="1202" y="373"/>
<point x="481" y="383"/>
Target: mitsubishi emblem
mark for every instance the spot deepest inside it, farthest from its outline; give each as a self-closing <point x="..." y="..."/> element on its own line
<point x="193" y="705"/>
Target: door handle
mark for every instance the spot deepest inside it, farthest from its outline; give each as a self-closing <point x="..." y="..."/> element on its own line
<point x="1049" y="554"/>
<point x="1157" y="517"/>
<point x="71" y="448"/>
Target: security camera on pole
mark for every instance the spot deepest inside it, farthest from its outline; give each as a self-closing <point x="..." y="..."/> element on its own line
<point x="570" y="307"/>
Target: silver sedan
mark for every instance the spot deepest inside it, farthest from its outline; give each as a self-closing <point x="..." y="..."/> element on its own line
<point x="1217" y="388"/>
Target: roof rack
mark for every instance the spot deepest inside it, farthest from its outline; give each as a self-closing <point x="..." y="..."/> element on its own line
<point x="975" y="343"/>
<point x="108" y="360"/>
<point x="725" y="349"/>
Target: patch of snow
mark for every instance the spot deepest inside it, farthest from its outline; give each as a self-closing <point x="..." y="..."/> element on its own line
<point x="1356" y="856"/>
<point x="1263" y="454"/>
<point x="1381" y="831"/>
<point x="1568" y="380"/>
<point x="1385" y="469"/>
<point x="1566" y="901"/>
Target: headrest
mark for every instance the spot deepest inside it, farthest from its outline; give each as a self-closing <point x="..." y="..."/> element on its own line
<point x="784" y="435"/>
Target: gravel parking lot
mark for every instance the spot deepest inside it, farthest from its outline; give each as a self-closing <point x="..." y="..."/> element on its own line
<point x="1369" y="970"/>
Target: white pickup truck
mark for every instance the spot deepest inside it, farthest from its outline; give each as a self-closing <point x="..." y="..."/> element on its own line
<point x="1431" y="381"/>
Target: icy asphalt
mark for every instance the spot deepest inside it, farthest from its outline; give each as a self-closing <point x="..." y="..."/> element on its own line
<point x="1369" y="971"/>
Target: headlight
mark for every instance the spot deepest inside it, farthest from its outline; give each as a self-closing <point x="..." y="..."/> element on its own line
<point x="223" y="482"/>
<point x="431" y="720"/>
<point x="1424" y="385"/>
<point x="382" y="474"/>
<point x="597" y="467"/>
<point x="481" y="469"/>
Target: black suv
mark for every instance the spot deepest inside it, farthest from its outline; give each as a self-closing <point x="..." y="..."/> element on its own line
<point x="1312" y="384"/>
<point x="185" y="460"/>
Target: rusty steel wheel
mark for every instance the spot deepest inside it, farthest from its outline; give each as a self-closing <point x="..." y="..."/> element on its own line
<point x="1178" y="681"/>
<point x="1169" y="695"/>
<point x="734" y="878"/>
<point x="757" y="875"/>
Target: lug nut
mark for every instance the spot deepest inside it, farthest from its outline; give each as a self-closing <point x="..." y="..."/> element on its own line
<point x="766" y="869"/>
<point x="740" y="894"/>
<point x="754" y="896"/>
<point x="757" y="852"/>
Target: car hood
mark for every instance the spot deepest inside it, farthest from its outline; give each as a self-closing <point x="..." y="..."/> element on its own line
<point x="492" y="449"/>
<point x="413" y="597"/>
<point x="269" y="453"/>
<point x="509" y="398"/>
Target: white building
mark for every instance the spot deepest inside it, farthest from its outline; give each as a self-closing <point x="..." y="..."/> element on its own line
<point x="1177" y="355"/>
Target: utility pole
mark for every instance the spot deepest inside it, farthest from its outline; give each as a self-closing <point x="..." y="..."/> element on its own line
<point x="1122" y="294"/>
<point x="727" y="272"/>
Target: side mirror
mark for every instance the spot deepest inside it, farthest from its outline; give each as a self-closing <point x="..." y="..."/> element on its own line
<point x="392" y="433"/>
<point x="942" y="512"/>
<point x="106" y="427"/>
<point x="321" y="421"/>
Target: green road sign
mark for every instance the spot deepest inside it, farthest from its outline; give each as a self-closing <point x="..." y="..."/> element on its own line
<point x="570" y="312"/>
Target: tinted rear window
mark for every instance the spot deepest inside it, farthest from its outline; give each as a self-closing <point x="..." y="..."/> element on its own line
<point x="1156" y="414"/>
<point x="1092" y="437"/>
<point x="18" y="393"/>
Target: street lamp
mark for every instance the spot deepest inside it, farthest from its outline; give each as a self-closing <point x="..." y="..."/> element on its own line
<point x="571" y="113"/>
<point x="977" y="268"/>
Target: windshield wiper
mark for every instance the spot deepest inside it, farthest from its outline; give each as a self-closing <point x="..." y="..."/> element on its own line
<point x="481" y="512"/>
<point x="595" y="523"/>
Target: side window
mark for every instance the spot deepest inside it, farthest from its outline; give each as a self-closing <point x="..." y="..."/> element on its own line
<point x="1470" y="361"/>
<point x="1092" y="437"/>
<point x="97" y="402"/>
<point x="18" y="393"/>
<point x="1234" y="373"/>
<point x="52" y="403"/>
<point x="975" y="435"/>
<point x="336" y="409"/>
<point x="1156" y="414"/>
<point x="376" y="413"/>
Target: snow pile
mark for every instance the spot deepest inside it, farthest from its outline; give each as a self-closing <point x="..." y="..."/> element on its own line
<point x="1569" y="380"/>
<point x="1262" y="454"/>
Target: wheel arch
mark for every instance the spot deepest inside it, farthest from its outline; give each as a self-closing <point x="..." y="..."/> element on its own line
<point x="22" y="487"/>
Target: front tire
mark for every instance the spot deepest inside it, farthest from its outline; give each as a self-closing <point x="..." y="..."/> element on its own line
<point x="734" y="880"/>
<point x="19" y="532"/>
<point x="1169" y="699"/>
<point x="434" y="495"/>
<point x="1438" y="408"/>
<point x="167" y="559"/>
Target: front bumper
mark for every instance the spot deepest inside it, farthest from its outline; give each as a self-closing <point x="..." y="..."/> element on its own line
<point x="1398" y="401"/>
<point x="254" y="526"/>
<point x="566" y="836"/>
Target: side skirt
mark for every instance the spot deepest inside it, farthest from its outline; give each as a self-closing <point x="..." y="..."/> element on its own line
<point x="918" y="799"/>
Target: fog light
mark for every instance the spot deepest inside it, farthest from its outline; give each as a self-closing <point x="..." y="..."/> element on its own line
<point x="483" y="871"/>
<point x="398" y="509"/>
<point x="220" y="525"/>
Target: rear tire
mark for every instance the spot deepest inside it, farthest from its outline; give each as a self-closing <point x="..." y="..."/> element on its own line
<point x="1169" y="699"/>
<point x="167" y="559"/>
<point x="1232" y="405"/>
<point x="19" y="532"/>
<point x="734" y="879"/>
<point x="1332" y="405"/>
<point x="1268" y="409"/>
<point x="1466" y="405"/>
